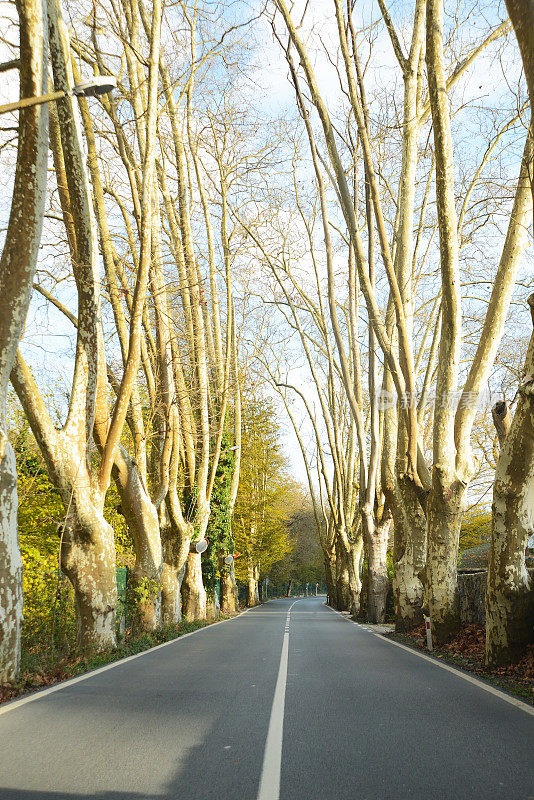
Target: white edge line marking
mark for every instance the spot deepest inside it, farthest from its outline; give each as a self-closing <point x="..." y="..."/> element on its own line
<point x="12" y="704"/>
<point x="272" y="758"/>
<point x="469" y="678"/>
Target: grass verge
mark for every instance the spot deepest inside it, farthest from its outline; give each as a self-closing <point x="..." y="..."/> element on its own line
<point x="40" y="669"/>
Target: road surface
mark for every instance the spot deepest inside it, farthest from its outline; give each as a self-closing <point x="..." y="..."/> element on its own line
<point x="286" y="702"/>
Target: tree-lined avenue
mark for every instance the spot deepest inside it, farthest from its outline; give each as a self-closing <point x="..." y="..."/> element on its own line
<point x="362" y="718"/>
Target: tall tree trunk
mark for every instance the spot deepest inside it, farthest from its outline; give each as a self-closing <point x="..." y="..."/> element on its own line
<point x="228" y="598"/>
<point x="444" y="519"/>
<point x="330" y="577"/>
<point x="378" y="582"/>
<point x="10" y="564"/>
<point x="171" y="585"/>
<point x="509" y="601"/>
<point x="87" y="552"/>
<point x="350" y="555"/>
<point x="409" y="556"/>
<point x="17" y="269"/>
<point x="88" y="560"/>
<point x="143" y="523"/>
<point x="253" y="597"/>
<point x="229" y="603"/>
<point x="344" y="595"/>
<point x="444" y="503"/>
<point x="87" y="540"/>
<point x="213" y="608"/>
<point x="193" y="592"/>
<point x="252" y="587"/>
<point x="129" y="473"/>
<point x="172" y="575"/>
<point x="354" y="574"/>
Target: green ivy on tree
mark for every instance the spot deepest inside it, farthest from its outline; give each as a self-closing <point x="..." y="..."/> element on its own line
<point x="219" y="531"/>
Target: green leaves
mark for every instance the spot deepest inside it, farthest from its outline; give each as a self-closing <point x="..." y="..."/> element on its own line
<point x="267" y="494"/>
<point x="219" y="531"/>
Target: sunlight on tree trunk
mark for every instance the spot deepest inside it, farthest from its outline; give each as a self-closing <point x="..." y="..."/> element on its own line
<point x="193" y="592"/>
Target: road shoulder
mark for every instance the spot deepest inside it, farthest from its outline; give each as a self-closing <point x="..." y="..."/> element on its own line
<point x="439" y="661"/>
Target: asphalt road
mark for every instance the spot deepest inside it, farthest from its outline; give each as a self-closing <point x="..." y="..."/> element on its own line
<point x="296" y="706"/>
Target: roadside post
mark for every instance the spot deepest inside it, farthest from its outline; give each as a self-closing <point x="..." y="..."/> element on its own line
<point x="428" y="634"/>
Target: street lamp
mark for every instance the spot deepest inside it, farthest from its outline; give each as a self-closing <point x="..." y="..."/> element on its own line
<point x="100" y="84"/>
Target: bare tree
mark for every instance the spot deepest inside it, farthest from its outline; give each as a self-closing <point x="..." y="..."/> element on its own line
<point x="453" y="465"/>
<point x="408" y="484"/>
<point x="87" y="543"/>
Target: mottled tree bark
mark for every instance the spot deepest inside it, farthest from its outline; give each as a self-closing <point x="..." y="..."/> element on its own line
<point x="348" y="578"/>
<point x="444" y="519"/>
<point x="378" y="581"/>
<point x="444" y="504"/>
<point x="130" y="474"/>
<point x="521" y="14"/>
<point x="509" y="601"/>
<point x="10" y="565"/>
<point x="143" y="523"/>
<point x="253" y="597"/>
<point x="409" y="556"/>
<point x="455" y="471"/>
<point x="193" y="592"/>
<point x="213" y="608"/>
<point x="454" y="464"/>
<point x="343" y="593"/>
<point x="88" y="560"/>
<point x="171" y="602"/>
<point x="87" y="545"/>
<point x="229" y="600"/>
<point x="409" y="553"/>
<point x="17" y="269"/>
<point x="330" y="576"/>
<point x="87" y="540"/>
<point x="172" y="575"/>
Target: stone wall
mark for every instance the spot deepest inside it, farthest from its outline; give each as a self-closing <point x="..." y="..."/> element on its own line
<point x="472" y="595"/>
